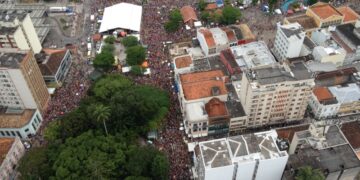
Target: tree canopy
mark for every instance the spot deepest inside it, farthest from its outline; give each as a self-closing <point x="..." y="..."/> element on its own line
<point x="35" y="164"/>
<point x="135" y="55"/>
<point x="104" y="61"/>
<point x="79" y="149"/>
<point x="90" y="156"/>
<point x="308" y="173"/>
<point x="174" y="22"/>
<point x="230" y="15"/>
<point x="109" y="40"/>
<point x="129" y="41"/>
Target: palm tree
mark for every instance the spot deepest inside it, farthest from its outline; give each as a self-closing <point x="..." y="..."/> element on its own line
<point x="308" y="173"/>
<point x="101" y="113"/>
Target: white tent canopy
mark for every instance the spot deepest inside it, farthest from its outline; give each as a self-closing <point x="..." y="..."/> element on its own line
<point x="122" y="15"/>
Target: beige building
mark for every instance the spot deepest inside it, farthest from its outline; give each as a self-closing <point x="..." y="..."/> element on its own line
<point x="17" y="32"/>
<point x="11" y="150"/>
<point x="325" y="15"/>
<point x="276" y="93"/>
<point x="21" y="82"/>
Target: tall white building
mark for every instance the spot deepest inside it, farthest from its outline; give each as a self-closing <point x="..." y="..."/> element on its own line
<point x="23" y="95"/>
<point x="246" y="157"/>
<point x="276" y="93"/>
<point x="17" y="31"/>
<point x="288" y="41"/>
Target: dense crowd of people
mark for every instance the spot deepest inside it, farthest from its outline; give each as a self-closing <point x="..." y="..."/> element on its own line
<point x="67" y="97"/>
<point x="155" y="14"/>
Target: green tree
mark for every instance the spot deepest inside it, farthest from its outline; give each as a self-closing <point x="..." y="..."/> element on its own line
<point x="90" y="156"/>
<point x="100" y="113"/>
<point x="107" y="86"/>
<point x="53" y="131"/>
<point x="308" y="173"/>
<point x="230" y="15"/>
<point x="35" y="164"/>
<point x="108" y="48"/>
<point x="205" y="16"/>
<point x="109" y="40"/>
<point x="104" y="61"/>
<point x="135" y="55"/>
<point x="175" y="16"/>
<point x="175" y="19"/>
<point x="171" y="26"/>
<point x="141" y="108"/>
<point x="160" y="167"/>
<point x="137" y="70"/>
<point x="129" y="41"/>
<point x="254" y="2"/>
<point x="202" y="5"/>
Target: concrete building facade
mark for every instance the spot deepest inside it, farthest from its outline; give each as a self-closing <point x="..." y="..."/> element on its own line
<point x="276" y="94"/>
<point x="11" y="151"/>
<point x="288" y="41"/>
<point x="18" y="32"/>
<point x="54" y="66"/>
<point x="22" y="85"/>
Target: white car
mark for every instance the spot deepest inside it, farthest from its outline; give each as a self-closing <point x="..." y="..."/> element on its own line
<point x="27" y="145"/>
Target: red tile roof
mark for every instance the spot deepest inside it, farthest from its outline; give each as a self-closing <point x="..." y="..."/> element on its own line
<point x="183" y="61"/>
<point x="230" y="34"/>
<point x="324" y="10"/>
<point x="211" y="6"/>
<point x="5" y="146"/>
<point x="208" y="37"/>
<point x="96" y="37"/>
<point x="216" y="108"/>
<point x="188" y="13"/>
<point x="349" y="14"/>
<point x="200" y="84"/>
<point x="322" y="93"/>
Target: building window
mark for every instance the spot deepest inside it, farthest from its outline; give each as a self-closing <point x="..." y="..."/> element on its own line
<point x="2" y="133"/>
<point x="7" y="133"/>
<point x="18" y="133"/>
<point x="27" y="130"/>
<point x="12" y="133"/>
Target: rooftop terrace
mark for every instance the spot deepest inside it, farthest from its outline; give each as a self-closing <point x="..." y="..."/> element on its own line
<point x="248" y="147"/>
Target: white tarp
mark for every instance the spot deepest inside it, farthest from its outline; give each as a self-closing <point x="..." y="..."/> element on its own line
<point x="122" y="15"/>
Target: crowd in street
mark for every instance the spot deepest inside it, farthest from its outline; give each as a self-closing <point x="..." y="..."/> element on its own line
<point x="155" y="14"/>
<point x="67" y="97"/>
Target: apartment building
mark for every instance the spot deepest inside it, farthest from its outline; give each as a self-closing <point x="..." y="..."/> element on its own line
<point x="276" y="94"/>
<point x="21" y="82"/>
<point x="288" y="41"/>
<point x="11" y="151"/>
<point x="246" y="157"/>
<point x="54" y="66"/>
<point x="17" y="31"/>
